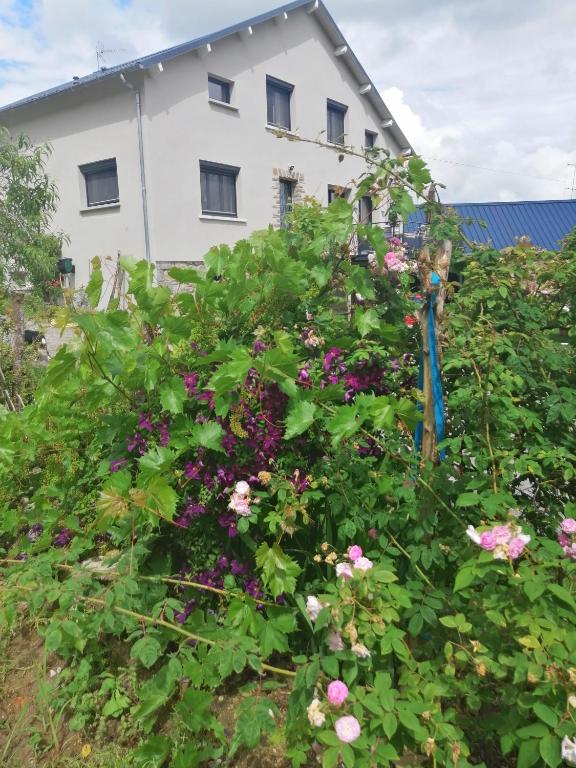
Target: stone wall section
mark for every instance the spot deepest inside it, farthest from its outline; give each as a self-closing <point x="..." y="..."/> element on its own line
<point x="298" y="195"/>
<point x="163" y="278"/>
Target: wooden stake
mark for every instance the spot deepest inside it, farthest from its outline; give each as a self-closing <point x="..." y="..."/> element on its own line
<point x="440" y="264"/>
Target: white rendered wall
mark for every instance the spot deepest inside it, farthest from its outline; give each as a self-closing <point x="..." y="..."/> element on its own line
<point x="181" y="127"/>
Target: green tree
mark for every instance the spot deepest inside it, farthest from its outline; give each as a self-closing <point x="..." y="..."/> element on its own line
<point x="28" y="199"/>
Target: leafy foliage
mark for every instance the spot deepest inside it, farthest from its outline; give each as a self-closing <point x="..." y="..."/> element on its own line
<point x="28" y="250"/>
<point x="198" y="474"/>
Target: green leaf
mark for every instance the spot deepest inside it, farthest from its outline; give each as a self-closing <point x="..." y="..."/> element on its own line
<point x="367" y="321"/>
<point x="528" y="753"/>
<point x="546" y="714"/>
<point x="209" y="434"/>
<point x="161" y="498"/>
<point x="464" y="578"/>
<point x="467" y="500"/>
<point x="116" y="704"/>
<point x="347" y="755"/>
<point x="272" y="639"/>
<point x="409" y="720"/>
<point x="153" y="753"/>
<point x="534" y="730"/>
<point x="173" y="395"/>
<point x="299" y="419"/>
<point x="279" y="571"/>
<point x="562" y="594"/>
<point x="53" y="639"/>
<point x="147" y="650"/>
<point x="344" y="423"/>
<point x="550" y="750"/>
<point x="534" y="588"/>
<point x="93" y="288"/>
<point x="186" y="275"/>
<point x="389" y="724"/>
<point x="331" y="666"/>
<point x="330" y="757"/>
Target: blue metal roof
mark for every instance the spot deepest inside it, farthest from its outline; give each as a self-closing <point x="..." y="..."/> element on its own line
<point x="546" y="222"/>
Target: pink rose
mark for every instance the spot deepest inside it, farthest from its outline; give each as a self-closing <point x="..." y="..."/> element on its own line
<point x="488" y="540"/>
<point x="337" y="693"/>
<point x="363" y="564"/>
<point x="347" y="728"/>
<point x="516" y="547"/>
<point x="240" y="505"/>
<point x="502" y="534"/>
<point x="568" y="525"/>
<point x="344" y="570"/>
<point x="564" y="540"/>
<point x="354" y="552"/>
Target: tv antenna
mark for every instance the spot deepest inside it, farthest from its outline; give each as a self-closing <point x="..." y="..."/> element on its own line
<point x="101" y="54"/>
<point x="573" y="187"/>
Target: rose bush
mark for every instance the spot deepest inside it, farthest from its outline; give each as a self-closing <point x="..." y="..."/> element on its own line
<point x="225" y="479"/>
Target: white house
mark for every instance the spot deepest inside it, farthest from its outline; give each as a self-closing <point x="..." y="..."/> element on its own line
<point x="169" y="154"/>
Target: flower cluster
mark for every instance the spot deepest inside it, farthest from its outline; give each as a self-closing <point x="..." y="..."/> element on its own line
<point x="567" y="537"/>
<point x="215" y="576"/>
<point x="63" y="538"/>
<point x="146" y="428"/>
<point x="506" y="542"/>
<point x="358" y="564"/>
<point x="347" y="727"/>
<point x="240" y="499"/>
<point x="191" y="511"/>
<point x="310" y="338"/>
<point x="35" y="532"/>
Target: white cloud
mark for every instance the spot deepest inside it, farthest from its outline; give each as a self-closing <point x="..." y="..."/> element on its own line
<point x="475" y="85"/>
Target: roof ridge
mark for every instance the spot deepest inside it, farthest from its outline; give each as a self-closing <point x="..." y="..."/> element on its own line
<point x="153" y="58"/>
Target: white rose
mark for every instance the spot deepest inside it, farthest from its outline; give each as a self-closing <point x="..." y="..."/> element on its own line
<point x="316" y="717"/>
<point x="242" y="488"/>
<point x="569" y="750"/>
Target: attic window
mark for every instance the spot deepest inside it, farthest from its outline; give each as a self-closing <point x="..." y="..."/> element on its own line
<point x="101" y="180"/>
<point x="219" y="89"/>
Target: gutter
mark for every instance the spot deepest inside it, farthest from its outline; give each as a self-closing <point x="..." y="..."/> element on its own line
<point x="142" y="166"/>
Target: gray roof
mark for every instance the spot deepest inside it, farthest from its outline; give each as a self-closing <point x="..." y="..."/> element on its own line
<point x="321" y="13"/>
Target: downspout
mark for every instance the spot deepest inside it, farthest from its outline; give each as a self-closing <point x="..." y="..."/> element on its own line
<point x="142" y="166"/>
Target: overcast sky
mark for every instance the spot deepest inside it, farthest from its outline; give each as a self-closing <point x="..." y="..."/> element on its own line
<point x="474" y="84"/>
